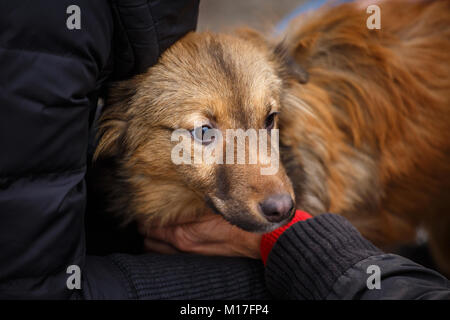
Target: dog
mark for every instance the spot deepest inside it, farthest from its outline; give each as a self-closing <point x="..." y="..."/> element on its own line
<point x="363" y="118"/>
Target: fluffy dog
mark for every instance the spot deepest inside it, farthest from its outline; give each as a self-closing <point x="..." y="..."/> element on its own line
<point x="363" y="117"/>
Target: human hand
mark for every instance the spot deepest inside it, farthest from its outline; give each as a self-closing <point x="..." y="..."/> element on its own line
<point x="209" y="235"/>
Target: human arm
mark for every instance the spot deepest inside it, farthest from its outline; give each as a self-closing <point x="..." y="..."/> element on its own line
<point x="324" y="257"/>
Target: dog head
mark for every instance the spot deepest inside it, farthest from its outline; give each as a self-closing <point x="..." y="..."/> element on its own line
<point x="209" y="95"/>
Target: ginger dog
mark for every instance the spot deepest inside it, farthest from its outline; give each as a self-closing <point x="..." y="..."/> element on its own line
<point x="363" y="117"/>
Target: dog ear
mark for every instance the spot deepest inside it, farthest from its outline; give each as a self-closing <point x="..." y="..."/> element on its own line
<point x="113" y="123"/>
<point x="110" y="134"/>
<point x="290" y="68"/>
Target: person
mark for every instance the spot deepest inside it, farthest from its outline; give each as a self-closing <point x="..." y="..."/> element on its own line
<point x="55" y="59"/>
<point x="323" y="257"/>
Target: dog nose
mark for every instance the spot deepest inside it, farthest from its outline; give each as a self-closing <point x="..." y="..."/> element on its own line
<point x="278" y="207"/>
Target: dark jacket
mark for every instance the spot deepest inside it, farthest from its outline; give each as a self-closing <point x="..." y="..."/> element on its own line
<point x="327" y="258"/>
<point x="50" y="77"/>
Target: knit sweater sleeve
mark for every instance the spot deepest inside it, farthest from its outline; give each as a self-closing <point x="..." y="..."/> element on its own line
<point x="180" y="276"/>
<point x="327" y="258"/>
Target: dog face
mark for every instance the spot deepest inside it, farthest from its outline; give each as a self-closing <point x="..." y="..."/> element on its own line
<point x="203" y="84"/>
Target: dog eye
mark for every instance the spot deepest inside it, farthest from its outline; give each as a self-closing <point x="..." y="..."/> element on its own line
<point x="199" y="134"/>
<point x="270" y="121"/>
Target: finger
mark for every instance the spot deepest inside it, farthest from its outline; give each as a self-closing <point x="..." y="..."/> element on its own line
<point x="152" y="245"/>
<point x="165" y="234"/>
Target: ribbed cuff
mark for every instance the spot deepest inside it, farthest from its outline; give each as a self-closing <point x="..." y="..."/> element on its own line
<point x="310" y="256"/>
<point x="191" y="277"/>
<point x="269" y="239"/>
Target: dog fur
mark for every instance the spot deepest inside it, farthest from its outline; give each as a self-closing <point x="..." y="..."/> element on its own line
<point x="364" y="124"/>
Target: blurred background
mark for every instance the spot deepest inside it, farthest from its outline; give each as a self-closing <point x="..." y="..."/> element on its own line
<point x="225" y="15"/>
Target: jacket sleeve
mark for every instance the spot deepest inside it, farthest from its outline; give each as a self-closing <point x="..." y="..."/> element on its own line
<point x="48" y="79"/>
<point x="181" y="276"/>
<point x="144" y="29"/>
<point x="326" y="258"/>
<point x="51" y="71"/>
